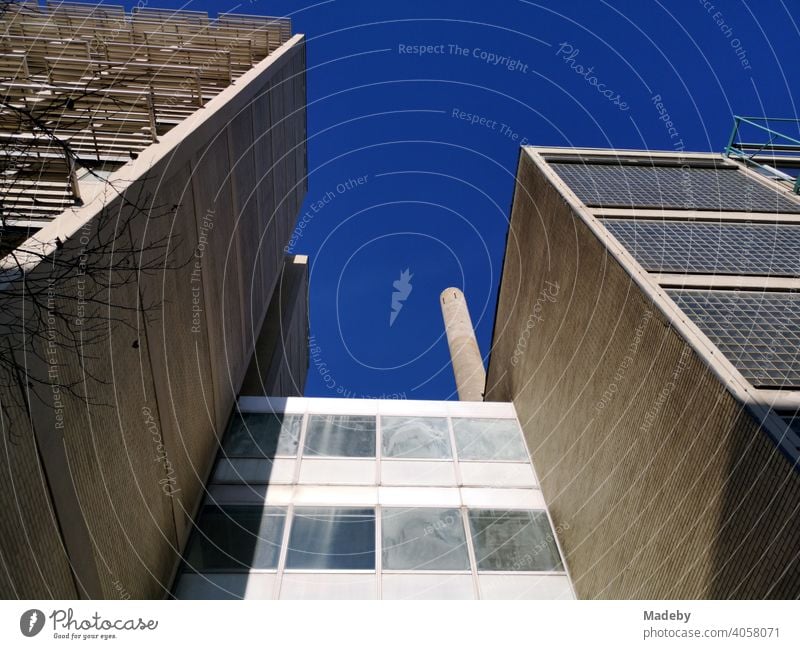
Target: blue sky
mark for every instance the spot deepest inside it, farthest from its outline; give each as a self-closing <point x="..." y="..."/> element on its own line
<point x="434" y="136"/>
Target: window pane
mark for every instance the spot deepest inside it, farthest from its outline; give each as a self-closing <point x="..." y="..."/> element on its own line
<point x="340" y="436"/>
<point x="237" y="538"/>
<point x="259" y="434"/>
<point x="489" y="439"/>
<point x="332" y="538"/>
<point x="418" y="437"/>
<point x="423" y="539"/>
<point x="513" y="540"/>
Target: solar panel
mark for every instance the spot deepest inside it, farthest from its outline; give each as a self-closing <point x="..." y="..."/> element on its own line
<point x="671" y="187"/>
<point x="717" y="248"/>
<point x="759" y="332"/>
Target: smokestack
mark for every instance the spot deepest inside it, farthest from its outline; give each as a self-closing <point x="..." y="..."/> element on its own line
<point x="464" y="352"/>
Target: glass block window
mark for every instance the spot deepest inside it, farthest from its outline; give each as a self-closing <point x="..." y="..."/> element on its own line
<point x="332" y="538"/>
<point x="758" y="332"/>
<point x="340" y="436"/>
<point x="489" y="439"/>
<point x="423" y="539"/>
<point x="237" y="538"/>
<point x="415" y="437"/>
<point x="714" y="248"/>
<point x="671" y="187"/>
<point x="513" y="540"/>
<point x="262" y="435"/>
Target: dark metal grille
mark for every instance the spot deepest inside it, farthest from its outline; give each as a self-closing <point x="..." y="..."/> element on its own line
<point x="792" y="420"/>
<point x="717" y="248"/>
<point x="759" y="332"/>
<point x="671" y="187"/>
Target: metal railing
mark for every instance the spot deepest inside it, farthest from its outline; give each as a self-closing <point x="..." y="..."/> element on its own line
<point x="89" y="86"/>
<point x="775" y="147"/>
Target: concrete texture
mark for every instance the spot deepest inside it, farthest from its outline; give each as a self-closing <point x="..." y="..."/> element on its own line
<point x="464" y="352"/>
<point x="660" y="483"/>
<point x="280" y="362"/>
<point x="223" y="188"/>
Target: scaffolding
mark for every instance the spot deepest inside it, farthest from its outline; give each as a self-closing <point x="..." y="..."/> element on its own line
<point x="88" y="87"/>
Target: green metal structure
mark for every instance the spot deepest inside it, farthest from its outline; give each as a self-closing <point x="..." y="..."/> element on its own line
<point x="770" y="145"/>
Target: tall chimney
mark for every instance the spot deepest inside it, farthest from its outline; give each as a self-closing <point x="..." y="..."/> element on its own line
<point x="464" y="352"/>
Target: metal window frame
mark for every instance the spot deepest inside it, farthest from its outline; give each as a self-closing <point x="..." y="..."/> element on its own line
<point x="377" y="497"/>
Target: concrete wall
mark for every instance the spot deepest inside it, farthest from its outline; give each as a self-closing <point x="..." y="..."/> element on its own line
<point x="279" y="365"/>
<point x="222" y="189"/>
<point x="34" y="560"/>
<point x="660" y="484"/>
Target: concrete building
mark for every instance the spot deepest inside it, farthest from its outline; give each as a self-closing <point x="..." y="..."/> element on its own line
<point x="280" y="361"/>
<point x="370" y="499"/>
<point x="647" y="332"/>
<point x="158" y="161"/>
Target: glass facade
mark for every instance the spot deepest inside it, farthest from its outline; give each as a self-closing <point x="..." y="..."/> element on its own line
<point x="759" y="332"/>
<point x="237" y="538"/>
<point x="340" y="436"/>
<point x="423" y="539"/>
<point x="661" y="186"/>
<point x="395" y="504"/>
<point x="711" y="248"/>
<point x="332" y="538"/>
<point x="733" y="275"/>
<point x="415" y="437"/>
<point x="513" y="540"/>
<point x="489" y="439"/>
<point x="264" y="435"/>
